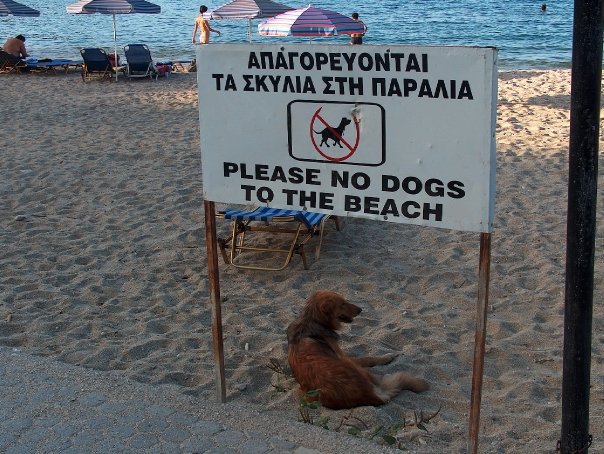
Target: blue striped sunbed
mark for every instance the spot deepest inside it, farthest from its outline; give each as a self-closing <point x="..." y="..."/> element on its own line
<point x="266" y="214"/>
<point x="53" y="65"/>
<point x="265" y="219"/>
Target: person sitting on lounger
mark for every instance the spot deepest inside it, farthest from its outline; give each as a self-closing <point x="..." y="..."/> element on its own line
<point x="16" y="46"/>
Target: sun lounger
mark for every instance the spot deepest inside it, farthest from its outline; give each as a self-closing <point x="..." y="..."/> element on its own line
<point x="139" y="61"/>
<point x="9" y="63"/>
<point x="53" y="65"/>
<point x="96" y="64"/>
<point x="299" y="226"/>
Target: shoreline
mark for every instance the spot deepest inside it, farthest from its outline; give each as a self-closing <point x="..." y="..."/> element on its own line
<point x="160" y="56"/>
<point x="104" y="265"/>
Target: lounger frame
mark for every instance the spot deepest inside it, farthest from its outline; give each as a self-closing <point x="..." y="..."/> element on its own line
<point x="243" y="228"/>
<point x="9" y="63"/>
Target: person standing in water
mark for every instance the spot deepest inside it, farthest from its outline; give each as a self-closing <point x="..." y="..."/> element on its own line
<point x="203" y="26"/>
<point x="357" y="38"/>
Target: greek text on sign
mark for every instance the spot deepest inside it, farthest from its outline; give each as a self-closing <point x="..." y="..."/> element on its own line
<point x="397" y="133"/>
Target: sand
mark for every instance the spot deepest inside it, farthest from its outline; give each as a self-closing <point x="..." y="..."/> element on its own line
<point x="103" y="265"/>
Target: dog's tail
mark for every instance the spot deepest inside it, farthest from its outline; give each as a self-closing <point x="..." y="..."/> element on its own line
<point x="392" y="384"/>
<point x="313" y="130"/>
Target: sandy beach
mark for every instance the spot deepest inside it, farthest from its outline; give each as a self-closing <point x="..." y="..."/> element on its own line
<point x="104" y="266"/>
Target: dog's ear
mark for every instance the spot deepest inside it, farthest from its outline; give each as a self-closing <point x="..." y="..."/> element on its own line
<point x="321" y="306"/>
<point x="327" y="306"/>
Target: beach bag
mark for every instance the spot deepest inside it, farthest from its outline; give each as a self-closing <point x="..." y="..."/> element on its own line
<point x="163" y="69"/>
<point x="193" y="67"/>
<point x="111" y="57"/>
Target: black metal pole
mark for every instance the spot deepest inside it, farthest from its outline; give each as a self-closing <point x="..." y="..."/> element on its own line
<point x="581" y="223"/>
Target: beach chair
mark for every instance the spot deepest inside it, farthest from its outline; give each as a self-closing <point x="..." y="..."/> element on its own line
<point x="9" y="63"/>
<point x="245" y="252"/>
<point x="96" y="64"/>
<point x="53" y="66"/>
<point x="139" y="61"/>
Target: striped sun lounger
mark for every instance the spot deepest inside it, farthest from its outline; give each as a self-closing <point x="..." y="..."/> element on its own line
<point x="299" y="226"/>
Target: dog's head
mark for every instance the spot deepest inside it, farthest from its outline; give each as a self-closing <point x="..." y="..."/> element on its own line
<point x="345" y="121"/>
<point x="330" y="309"/>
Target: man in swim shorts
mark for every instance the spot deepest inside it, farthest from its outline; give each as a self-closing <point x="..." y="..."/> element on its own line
<point x="203" y="26"/>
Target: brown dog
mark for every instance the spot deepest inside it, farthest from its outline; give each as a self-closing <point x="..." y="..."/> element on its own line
<point x="318" y="362"/>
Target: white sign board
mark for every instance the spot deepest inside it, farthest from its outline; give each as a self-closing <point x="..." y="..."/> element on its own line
<point x="396" y="133"/>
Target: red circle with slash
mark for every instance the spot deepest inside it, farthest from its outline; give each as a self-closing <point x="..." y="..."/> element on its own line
<point x="332" y="130"/>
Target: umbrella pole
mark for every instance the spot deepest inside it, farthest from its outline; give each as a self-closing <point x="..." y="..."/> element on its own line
<point x="115" y="47"/>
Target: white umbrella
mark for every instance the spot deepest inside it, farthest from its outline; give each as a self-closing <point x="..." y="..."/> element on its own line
<point x="113" y="7"/>
<point x="249" y="9"/>
<point x="12" y="8"/>
<point x="311" y="22"/>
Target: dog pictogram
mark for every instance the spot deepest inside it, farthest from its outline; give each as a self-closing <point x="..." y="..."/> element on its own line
<point x="337" y="132"/>
<point x="335" y="135"/>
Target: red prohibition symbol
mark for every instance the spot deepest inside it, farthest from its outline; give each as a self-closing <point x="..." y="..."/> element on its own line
<point x="336" y="135"/>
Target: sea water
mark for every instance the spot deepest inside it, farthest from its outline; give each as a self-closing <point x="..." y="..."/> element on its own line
<point x="526" y="36"/>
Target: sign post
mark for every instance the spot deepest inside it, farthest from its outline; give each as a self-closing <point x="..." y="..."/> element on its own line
<point x="482" y="305"/>
<point x="214" y="283"/>
<point x="402" y="134"/>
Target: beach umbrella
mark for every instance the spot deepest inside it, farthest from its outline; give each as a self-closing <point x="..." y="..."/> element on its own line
<point x="249" y="9"/>
<point x="310" y="21"/>
<point x="11" y="8"/>
<point x="113" y="7"/>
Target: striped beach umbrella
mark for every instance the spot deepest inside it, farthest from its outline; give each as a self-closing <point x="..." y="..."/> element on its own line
<point x="310" y="21"/>
<point x="12" y="8"/>
<point x="249" y="9"/>
<point x="113" y="7"/>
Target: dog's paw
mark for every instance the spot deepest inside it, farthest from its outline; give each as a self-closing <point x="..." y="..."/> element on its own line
<point x="420" y="386"/>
